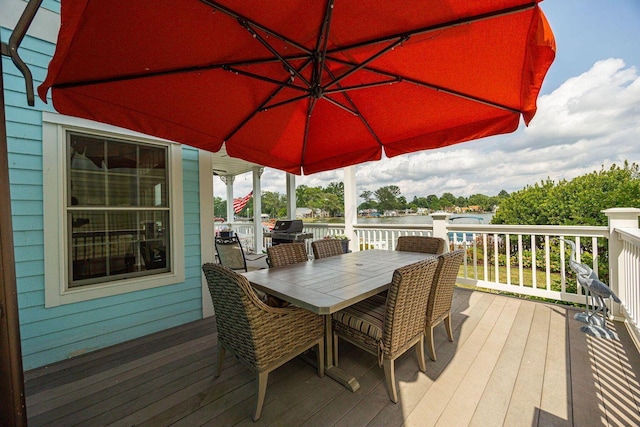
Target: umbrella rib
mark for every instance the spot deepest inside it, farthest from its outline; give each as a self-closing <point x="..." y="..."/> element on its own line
<point x="281" y="103"/>
<point x="262" y="107"/>
<point x="398" y="79"/>
<point x="312" y="105"/>
<point x="264" y="78"/>
<point x="261" y="27"/>
<point x="355" y="108"/>
<point x="290" y="69"/>
<point x="441" y="26"/>
<point x="432" y="86"/>
<point x="367" y="61"/>
<point x="252" y="114"/>
<point x="148" y="75"/>
<point x="323" y="38"/>
<point x="338" y="104"/>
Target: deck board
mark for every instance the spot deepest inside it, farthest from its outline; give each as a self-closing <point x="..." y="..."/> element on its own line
<point x="527" y="391"/>
<point x="462" y="404"/>
<point x="512" y="362"/>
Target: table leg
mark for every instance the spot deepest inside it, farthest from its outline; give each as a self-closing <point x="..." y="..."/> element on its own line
<point x="349" y="381"/>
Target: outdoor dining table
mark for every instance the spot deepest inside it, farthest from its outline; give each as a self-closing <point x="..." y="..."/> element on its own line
<point x="325" y="286"/>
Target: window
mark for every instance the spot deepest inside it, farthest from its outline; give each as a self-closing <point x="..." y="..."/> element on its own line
<point x="112" y="212"/>
<point x="118" y="209"/>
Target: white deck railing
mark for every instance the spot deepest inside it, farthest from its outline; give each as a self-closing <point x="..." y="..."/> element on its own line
<point x="528" y="260"/>
<point x="629" y="279"/>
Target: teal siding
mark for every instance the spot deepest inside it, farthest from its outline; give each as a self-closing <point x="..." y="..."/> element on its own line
<point x="52" y="334"/>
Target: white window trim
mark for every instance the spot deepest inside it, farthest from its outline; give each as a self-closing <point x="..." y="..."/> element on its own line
<point x="56" y="268"/>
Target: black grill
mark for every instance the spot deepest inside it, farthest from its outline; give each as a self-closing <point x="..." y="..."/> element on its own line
<point x="288" y="232"/>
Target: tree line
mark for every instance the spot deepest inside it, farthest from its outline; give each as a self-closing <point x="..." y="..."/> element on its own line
<point x="567" y="202"/>
<point x="330" y="201"/>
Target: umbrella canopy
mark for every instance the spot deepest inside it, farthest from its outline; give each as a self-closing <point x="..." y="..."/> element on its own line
<point x="303" y="86"/>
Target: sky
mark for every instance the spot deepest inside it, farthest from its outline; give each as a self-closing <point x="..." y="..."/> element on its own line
<point x="588" y="117"/>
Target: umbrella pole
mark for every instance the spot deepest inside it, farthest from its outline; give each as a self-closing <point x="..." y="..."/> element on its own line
<point x="13" y="411"/>
<point x="12" y="405"/>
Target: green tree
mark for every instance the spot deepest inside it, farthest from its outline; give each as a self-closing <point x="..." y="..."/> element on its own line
<point x="315" y="198"/>
<point x="219" y="207"/>
<point x="447" y="200"/>
<point x="433" y="202"/>
<point x="302" y="196"/>
<point x="274" y="204"/>
<point x="388" y="197"/>
<point x="575" y="202"/>
<point x="420" y="202"/>
<point x="480" y="200"/>
<point x="332" y="204"/>
<point x="336" y="188"/>
<point x="367" y="196"/>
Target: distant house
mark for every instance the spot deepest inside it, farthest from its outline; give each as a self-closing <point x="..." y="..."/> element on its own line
<point x="304" y="213"/>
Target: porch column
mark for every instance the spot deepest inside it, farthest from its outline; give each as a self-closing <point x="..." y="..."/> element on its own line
<point x="207" y="227"/>
<point x="440" y="228"/>
<point x="291" y="196"/>
<point x="351" y="206"/>
<point x="619" y="218"/>
<point x="257" y="208"/>
<point x="228" y="180"/>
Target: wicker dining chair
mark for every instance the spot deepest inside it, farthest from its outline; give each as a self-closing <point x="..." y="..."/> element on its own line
<point x="286" y="254"/>
<point x="439" y="306"/>
<point x="261" y="337"/>
<point x="388" y="327"/>
<point x="325" y="248"/>
<point x="424" y="244"/>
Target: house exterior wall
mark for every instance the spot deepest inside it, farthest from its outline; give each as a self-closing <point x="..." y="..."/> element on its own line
<point x="52" y="334"/>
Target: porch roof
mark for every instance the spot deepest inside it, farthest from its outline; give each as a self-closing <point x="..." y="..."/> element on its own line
<point x="225" y="165"/>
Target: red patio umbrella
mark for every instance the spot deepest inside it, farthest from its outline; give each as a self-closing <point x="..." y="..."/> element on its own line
<point x="303" y="86"/>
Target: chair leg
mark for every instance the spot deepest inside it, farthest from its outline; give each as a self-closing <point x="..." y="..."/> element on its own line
<point x="320" y="358"/>
<point x="335" y="350"/>
<point x="390" y="376"/>
<point x="221" y="352"/>
<point x="432" y="348"/>
<point x="262" y="391"/>
<point x="447" y="325"/>
<point x="420" y="354"/>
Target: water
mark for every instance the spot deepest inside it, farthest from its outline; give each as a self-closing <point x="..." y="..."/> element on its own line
<point x="482" y="218"/>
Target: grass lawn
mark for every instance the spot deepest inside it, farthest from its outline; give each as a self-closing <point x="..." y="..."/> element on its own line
<point x="527" y="277"/>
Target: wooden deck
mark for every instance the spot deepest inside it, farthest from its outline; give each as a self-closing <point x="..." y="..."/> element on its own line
<point x="514" y="362"/>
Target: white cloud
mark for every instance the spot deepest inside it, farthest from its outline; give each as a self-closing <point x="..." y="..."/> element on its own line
<point x="590" y="120"/>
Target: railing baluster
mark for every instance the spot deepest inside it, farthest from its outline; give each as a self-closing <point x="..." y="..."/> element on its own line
<point x="534" y="263"/>
<point x="520" y="272"/>
<point x="563" y="280"/>
<point x="547" y="258"/>
<point x="496" y="262"/>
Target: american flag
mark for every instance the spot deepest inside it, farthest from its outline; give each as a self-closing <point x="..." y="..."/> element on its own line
<point x="240" y="202"/>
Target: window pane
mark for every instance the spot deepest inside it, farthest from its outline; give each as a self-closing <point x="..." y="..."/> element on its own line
<point x="122" y="157"/>
<point x="153" y="177"/>
<point x="86" y="177"/>
<point x="87" y="188"/>
<point x="88" y="245"/>
<point x="122" y="190"/>
<point x="153" y="192"/>
<point x="153" y="161"/>
<point x="86" y="153"/>
<point x="154" y="247"/>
